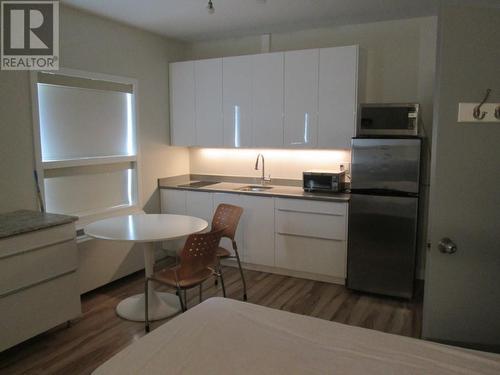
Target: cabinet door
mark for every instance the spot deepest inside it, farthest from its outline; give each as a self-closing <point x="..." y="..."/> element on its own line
<point x="301" y="98"/>
<point x="338" y="82"/>
<point x="258" y="224"/>
<point x="313" y="255"/>
<point x="237" y="99"/>
<point x="173" y="201"/>
<point x="200" y="204"/>
<point x="208" y="84"/>
<point x="182" y="104"/>
<point x="234" y="199"/>
<point x="267" y="100"/>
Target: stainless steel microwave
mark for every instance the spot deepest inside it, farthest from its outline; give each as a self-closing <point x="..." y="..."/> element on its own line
<point x="324" y="181"/>
<point x="388" y="120"/>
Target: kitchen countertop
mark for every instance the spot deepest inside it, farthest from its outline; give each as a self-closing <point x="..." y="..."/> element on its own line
<point x="278" y="190"/>
<point x="25" y="221"/>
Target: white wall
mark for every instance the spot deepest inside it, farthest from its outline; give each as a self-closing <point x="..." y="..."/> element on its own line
<point x="279" y="163"/>
<point x="96" y="44"/>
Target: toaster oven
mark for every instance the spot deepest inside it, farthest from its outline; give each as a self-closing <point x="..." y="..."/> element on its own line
<point x="324" y="181"/>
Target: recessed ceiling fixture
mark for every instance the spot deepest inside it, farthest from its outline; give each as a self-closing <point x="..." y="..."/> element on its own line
<point x="210" y="7"/>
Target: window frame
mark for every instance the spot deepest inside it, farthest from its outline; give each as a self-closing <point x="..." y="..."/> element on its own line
<point x="41" y="166"/>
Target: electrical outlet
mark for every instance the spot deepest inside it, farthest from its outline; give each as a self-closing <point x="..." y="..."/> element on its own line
<point x="466" y="110"/>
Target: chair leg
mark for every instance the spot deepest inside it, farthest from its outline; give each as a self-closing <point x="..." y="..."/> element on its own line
<point x="201" y="291"/>
<point x="242" y="277"/>
<point x="146" y="310"/>
<point x="219" y="271"/>
<point x="179" y="294"/>
<point x="185" y="300"/>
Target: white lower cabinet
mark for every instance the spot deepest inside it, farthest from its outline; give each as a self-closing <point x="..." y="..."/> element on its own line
<point x="38" y="283"/>
<point x="311" y="255"/>
<point x="258" y="230"/>
<point x="292" y="236"/>
<point x="200" y="204"/>
<point x="173" y="201"/>
<point x="311" y="236"/>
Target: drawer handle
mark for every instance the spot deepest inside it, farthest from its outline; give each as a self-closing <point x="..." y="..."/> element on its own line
<point x="22" y="252"/>
<point x="306" y="236"/>
<point x="17" y="290"/>
<point x="309" y="212"/>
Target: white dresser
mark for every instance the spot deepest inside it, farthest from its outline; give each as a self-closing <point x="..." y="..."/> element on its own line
<point x="38" y="278"/>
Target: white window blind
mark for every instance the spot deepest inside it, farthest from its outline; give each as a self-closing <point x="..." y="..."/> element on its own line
<point x="79" y="122"/>
<point x="88" y="148"/>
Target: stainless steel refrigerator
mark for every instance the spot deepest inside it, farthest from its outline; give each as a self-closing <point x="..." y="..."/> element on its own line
<point x="383" y="214"/>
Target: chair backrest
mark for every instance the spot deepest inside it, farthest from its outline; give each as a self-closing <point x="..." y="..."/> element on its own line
<point x="226" y="217"/>
<point x="199" y="252"/>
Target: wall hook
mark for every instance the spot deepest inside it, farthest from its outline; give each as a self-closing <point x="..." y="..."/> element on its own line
<point x="478" y="115"/>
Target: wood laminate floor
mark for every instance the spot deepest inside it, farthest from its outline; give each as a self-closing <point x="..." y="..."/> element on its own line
<point x="99" y="333"/>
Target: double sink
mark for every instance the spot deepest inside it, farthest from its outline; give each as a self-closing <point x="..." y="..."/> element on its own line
<point x="200" y="184"/>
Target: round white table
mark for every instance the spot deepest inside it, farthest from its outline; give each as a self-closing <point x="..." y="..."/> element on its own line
<point x="147" y="229"/>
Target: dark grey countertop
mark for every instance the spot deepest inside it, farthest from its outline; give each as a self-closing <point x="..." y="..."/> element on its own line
<point x="286" y="190"/>
<point x="25" y="221"/>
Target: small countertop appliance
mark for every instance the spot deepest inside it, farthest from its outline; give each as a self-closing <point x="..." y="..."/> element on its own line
<point x="326" y="181"/>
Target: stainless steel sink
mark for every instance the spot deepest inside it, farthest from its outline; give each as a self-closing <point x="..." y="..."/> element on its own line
<point x="254" y="188"/>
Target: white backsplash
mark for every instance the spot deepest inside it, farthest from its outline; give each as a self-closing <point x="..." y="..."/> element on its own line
<point x="279" y="163"/>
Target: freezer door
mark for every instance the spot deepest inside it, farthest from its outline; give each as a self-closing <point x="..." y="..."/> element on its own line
<point x="386" y="164"/>
<point x="382" y="244"/>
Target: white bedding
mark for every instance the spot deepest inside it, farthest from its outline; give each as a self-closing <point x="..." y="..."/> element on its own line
<point x="223" y="336"/>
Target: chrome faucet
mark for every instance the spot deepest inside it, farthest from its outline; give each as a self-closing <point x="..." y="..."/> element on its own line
<point x="264" y="179"/>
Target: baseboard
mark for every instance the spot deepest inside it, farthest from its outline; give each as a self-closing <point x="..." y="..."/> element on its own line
<point x="285" y="272"/>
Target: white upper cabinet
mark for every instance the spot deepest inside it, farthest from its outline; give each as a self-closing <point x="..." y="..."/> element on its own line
<point x="237" y="101"/>
<point x="208" y="88"/>
<point x="295" y="99"/>
<point x="267" y="99"/>
<point x="301" y="98"/>
<point x="182" y="107"/>
<point x="338" y="83"/>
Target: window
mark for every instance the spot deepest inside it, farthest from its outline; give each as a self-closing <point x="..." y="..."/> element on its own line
<point x="86" y="143"/>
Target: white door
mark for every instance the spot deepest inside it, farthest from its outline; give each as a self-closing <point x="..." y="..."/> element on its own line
<point x="200" y="204"/>
<point x="267" y="100"/>
<point x="237" y="101"/>
<point x="236" y="200"/>
<point x="338" y="97"/>
<point x="462" y="288"/>
<point x="301" y="98"/>
<point x="258" y="224"/>
<point x="208" y="84"/>
<point x="182" y="104"/>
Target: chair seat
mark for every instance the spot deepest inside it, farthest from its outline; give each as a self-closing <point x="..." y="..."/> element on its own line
<point x="167" y="276"/>
<point x="223" y="253"/>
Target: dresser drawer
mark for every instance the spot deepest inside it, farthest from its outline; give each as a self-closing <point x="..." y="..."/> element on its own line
<point x="37" y="309"/>
<point x="24" y="269"/>
<point x="313" y="255"/>
<point x="311" y="225"/>
<point x="319" y="207"/>
<point x="37" y="239"/>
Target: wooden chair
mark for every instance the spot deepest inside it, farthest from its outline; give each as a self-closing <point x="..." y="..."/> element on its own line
<point x="197" y="263"/>
<point x="226" y="217"/>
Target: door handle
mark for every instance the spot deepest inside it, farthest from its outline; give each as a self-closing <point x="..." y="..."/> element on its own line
<point x="447" y="246"/>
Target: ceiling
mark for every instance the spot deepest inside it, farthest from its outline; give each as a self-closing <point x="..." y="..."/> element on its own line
<point x="189" y="20"/>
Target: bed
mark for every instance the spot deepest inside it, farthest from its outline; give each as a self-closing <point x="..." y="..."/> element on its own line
<point x="224" y="336"/>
